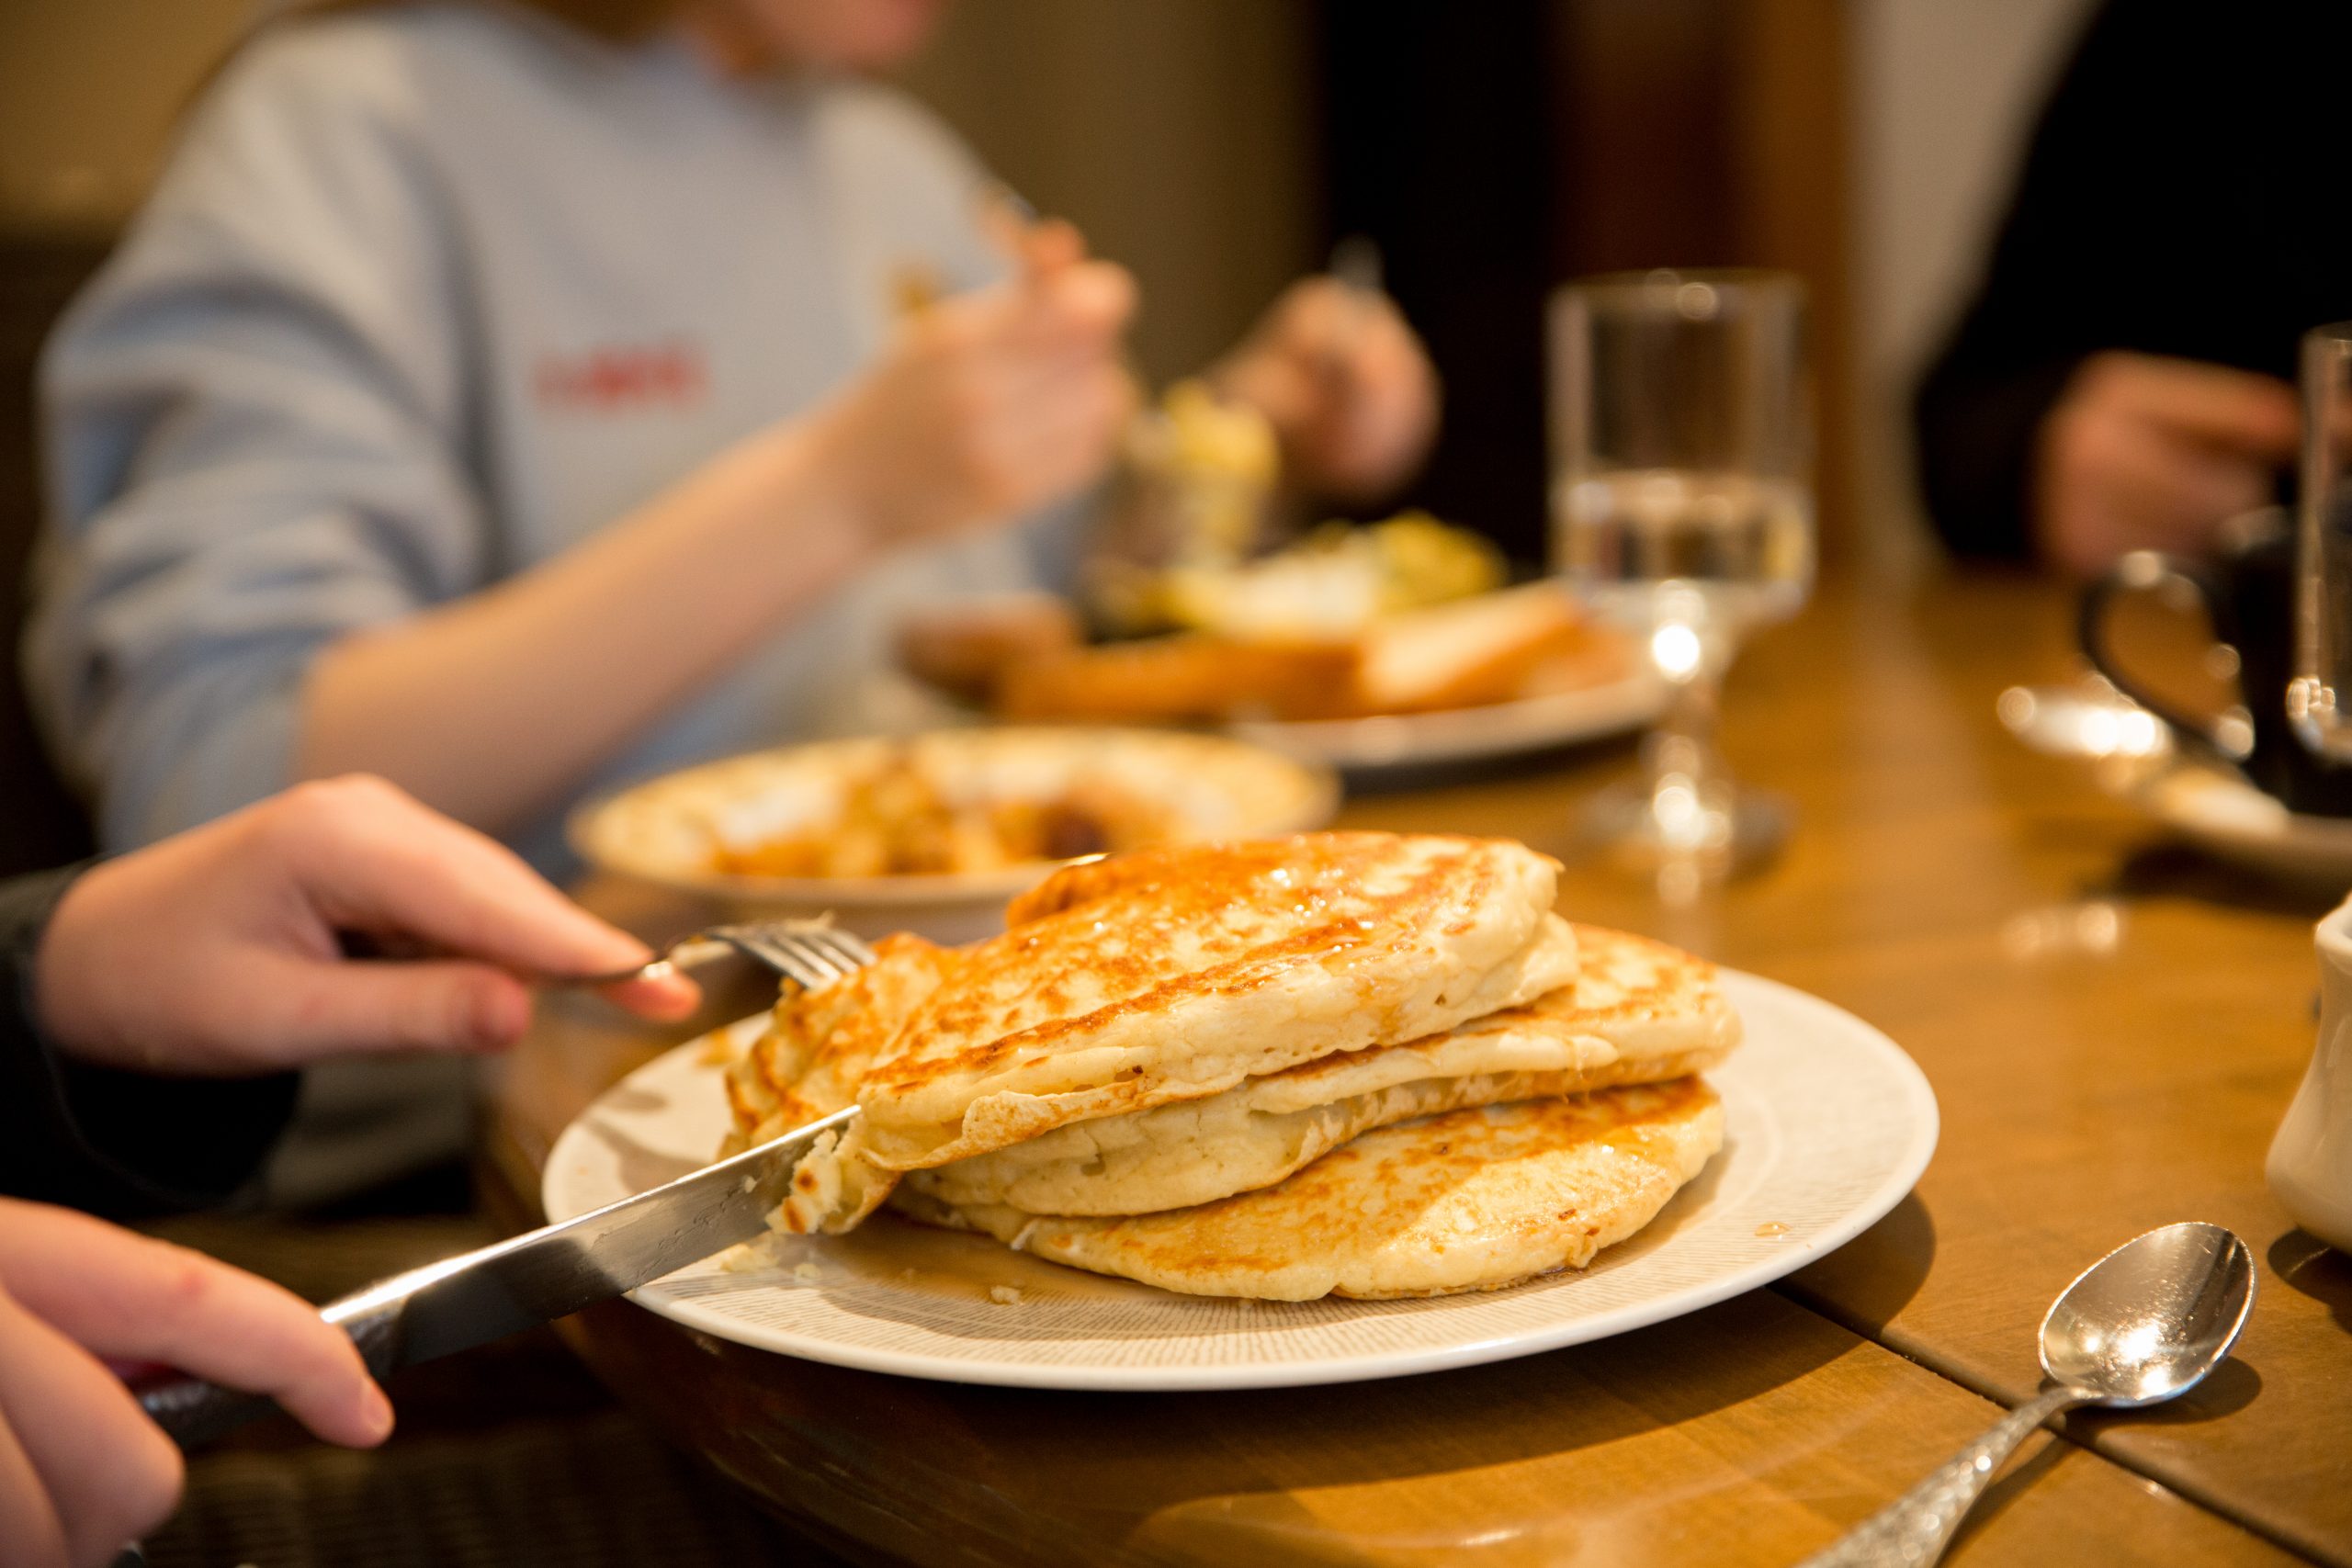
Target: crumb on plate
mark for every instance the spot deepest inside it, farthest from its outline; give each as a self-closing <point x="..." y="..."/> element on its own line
<point x="745" y="1257"/>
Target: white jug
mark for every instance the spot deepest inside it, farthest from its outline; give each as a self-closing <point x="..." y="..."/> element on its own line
<point x="2311" y="1159"/>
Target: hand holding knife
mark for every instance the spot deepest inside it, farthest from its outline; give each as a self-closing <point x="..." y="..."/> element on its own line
<point x="528" y="1280"/>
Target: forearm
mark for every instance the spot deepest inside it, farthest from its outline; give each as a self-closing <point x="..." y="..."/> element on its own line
<point x="490" y="707"/>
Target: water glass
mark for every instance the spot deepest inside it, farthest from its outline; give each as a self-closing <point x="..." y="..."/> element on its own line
<point x="1682" y="512"/>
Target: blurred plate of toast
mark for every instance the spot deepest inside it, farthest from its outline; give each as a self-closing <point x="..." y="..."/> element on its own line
<point x="1490" y="674"/>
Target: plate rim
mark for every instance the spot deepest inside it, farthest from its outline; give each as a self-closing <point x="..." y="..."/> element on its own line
<point x="1901" y="1178"/>
<point x="2160" y="794"/>
<point x="1499" y="729"/>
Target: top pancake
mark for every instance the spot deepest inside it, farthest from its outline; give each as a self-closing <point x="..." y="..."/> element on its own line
<point x="1638" y="1011"/>
<point x="1148" y="978"/>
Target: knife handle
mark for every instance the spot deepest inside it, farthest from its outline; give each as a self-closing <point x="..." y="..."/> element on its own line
<point x="193" y="1411"/>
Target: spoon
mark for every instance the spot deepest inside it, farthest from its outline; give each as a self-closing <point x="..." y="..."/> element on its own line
<point x="2142" y="1326"/>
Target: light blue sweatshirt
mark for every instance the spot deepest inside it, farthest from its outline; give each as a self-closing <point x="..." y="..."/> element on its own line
<point x="427" y="295"/>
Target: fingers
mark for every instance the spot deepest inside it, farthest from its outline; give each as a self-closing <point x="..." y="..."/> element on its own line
<point x="1067" y="429"/>
<point x="2183" y="523"/>
<point x="127" y="1296"/>
<point x="1048" y="247"/>
<point x="2255" y="414"/>
<point x="83" y="1470"/>
<point x="357" y="1007"/>
<point x="2184" y="487"/>
<point x="1080" y="309"/>
<point x="2109" y="483"/>
<point x="371" y="858"/>
<point x="988" y="404"/>
<point x="665" y="998"/>
<point x="28" y="1520"/>
<point x="1031" y="421"/>
<point x="1346" y="384"/>
<point x="1361" y="339"/>
<point x="1035" y="244"/>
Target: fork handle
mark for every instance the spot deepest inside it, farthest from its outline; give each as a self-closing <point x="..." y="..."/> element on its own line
<point x="1914" y="1530"/>
<point x="686" y="952"/>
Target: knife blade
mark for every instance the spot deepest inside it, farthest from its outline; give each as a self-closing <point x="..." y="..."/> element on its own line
<point x="531" y="1279"/>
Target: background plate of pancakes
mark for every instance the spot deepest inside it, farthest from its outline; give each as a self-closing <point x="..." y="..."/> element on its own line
<point x="1360" y="1178"/>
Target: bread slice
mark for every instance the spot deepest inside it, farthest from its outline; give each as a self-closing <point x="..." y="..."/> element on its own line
<point x="1468" y="652"/>
<point x="963" y="649"/>
<point x="1191" y="675"/>
<point x="1488" y="648"/>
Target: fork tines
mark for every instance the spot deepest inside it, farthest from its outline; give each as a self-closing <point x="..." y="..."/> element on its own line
<point x="814" y="953"/>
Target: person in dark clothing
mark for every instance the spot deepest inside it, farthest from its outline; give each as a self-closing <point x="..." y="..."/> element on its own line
<point x="2123" y="379"/>
<point x="157" y="1006"/>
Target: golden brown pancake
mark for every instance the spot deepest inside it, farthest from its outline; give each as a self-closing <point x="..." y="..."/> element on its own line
<point x="1148" y="978"/>
<point x="1638" y="1011"/>
<point x="1469" y="1201"/>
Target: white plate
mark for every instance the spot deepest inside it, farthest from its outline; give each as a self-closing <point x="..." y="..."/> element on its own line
<point x="1466" y="734"/>
<point x="668" y="831"/>
<point x="1827" y="1124"/>
<point x="2228" y="817"/>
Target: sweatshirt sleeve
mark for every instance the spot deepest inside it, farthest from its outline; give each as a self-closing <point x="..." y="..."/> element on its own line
<point x="254" y="429"/>
<point x="115" y="1143"/>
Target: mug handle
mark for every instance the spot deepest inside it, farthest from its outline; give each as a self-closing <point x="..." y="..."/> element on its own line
<point x="2140" y="572"/>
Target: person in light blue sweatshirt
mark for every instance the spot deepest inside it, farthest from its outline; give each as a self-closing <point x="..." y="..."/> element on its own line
<point x="512" y="399"/>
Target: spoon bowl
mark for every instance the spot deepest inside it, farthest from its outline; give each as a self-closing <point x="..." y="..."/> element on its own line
<point x="2148" y="1322"/>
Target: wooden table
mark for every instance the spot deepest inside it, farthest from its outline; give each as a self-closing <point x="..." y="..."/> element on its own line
<point x="2113" y="1028"/>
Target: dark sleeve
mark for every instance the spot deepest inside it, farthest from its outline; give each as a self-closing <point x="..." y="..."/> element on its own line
<point x="1980" y="409"/>
<point x="1977" y="427"/>
<point x="112" y="1142"/>
<point x="2148" y="217"/>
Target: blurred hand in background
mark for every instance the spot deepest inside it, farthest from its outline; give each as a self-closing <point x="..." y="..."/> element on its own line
<point x="2147" y="452"/>
<point x="1346" y="384"/>
<point x="217" y="952"/>
<point x="990" y="404"/>
<point x="83" y="1470"/>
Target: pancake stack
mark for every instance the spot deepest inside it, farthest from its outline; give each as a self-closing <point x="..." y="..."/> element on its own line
<point x="1358" y="1064"/>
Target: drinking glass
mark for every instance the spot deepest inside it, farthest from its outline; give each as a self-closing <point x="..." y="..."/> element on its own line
<point x="2319" y="697"/>
<point x="1682" y="512"/>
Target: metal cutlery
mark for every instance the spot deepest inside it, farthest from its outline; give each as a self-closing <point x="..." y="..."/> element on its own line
<point x="2142" y="1325"/>
<point x="814" y="953"/>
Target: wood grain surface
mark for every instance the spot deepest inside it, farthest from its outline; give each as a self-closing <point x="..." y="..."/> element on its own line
<point x="2113" y="1026"/>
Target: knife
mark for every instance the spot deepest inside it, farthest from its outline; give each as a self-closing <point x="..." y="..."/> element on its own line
<point x="527" y="1279"/>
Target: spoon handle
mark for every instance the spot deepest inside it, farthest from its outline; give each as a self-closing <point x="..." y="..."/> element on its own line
<point x="1913" y="1530"/>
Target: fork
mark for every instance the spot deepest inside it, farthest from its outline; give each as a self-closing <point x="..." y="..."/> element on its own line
<point x="814" y="953"/>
